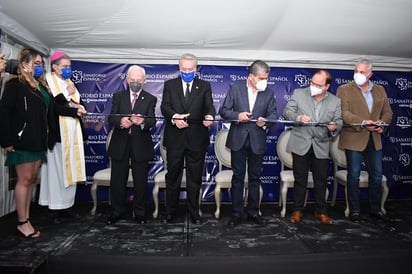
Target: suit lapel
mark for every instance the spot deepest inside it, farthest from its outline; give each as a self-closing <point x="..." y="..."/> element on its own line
<point x="178" y="91"/>
<point x="194" y="91"/>
<point x="139" y="102"/>
<point x="126" y="101"/>
<point x="260" y="99"/>
<point x="244" y="97"/>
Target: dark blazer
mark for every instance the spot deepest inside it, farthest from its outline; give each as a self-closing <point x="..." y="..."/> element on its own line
<point x="23" y="111"/>
<point x="200" y="104"/>
<point x="237" y="101"/>
<point x="60" y="107"/>
<point x="141" y="139"/>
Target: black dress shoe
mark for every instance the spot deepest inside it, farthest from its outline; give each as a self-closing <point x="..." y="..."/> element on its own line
<point x="140" y="219"/>
<point x="113" y="219"/>
<point x="257" y="220"/>
<point x="196" y="220"/>
<point x="354" y="217"/>
<point x="234" y="221"/>
<point x="379" y="216"/>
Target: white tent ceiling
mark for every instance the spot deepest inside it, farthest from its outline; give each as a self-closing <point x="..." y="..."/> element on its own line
<point x="293" y="32"/>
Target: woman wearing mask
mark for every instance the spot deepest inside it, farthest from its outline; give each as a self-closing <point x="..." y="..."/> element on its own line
<point x="25" y="108"/>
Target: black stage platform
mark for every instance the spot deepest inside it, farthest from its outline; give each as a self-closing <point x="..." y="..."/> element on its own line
<point x="87" y="245"/>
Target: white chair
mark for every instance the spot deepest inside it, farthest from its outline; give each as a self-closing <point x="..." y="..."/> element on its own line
<point x="223" y="178"/>
<point x="102" y="178"/>
<point x="287" y="180"/>
<point x="340" y="175"/>
<point x="160" y="182"/>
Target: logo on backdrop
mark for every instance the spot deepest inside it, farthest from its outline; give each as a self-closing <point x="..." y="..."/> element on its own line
<point x="403" y="83"/>
<point x="122" y="75"/>
<point x="79" y="76"/>
<point x="302" y="80"/>
<point x="403" y="122"/>
<point x="405" y="159"/>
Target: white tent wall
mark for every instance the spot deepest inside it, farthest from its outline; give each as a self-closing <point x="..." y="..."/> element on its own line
<point x="244" y="58"/>
<point x="317" y="33"/>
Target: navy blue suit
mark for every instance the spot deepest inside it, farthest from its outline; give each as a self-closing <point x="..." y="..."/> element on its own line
<point x="247" y="142"/>
<point x="188" y="144"/>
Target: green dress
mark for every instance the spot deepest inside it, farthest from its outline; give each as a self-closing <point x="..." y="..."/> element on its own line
<point x="23" y="156"/>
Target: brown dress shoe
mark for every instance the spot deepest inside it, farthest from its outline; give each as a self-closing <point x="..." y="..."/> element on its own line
<point x="296" y="216"/>
<point x="325" y="219"/>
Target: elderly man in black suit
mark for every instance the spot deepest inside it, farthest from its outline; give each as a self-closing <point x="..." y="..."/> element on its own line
<point x="187" y="106"/>
<point x="131" y="144"/>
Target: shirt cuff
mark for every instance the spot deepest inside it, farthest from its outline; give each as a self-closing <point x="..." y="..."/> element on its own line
<point x="172" y="120"/>
<point x="209" y="117"/>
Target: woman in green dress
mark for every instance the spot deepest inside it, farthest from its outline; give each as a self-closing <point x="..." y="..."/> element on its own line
<point x="23" y="120"/>
<point x="28" y="119"/>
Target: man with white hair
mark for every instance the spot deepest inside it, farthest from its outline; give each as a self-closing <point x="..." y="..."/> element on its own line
<point x="131" y="144"/>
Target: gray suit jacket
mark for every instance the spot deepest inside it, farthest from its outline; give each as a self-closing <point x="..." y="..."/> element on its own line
<point x="237" y="101"/>
<point x="303" y="137"/>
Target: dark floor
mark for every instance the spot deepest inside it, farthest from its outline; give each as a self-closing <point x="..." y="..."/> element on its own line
<point x="74" y="244"/>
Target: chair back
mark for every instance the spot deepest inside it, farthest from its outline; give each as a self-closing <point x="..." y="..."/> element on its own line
<point x="338" y="155"/>
<point x="285" y="157"/>
<point x="221" y="151"/>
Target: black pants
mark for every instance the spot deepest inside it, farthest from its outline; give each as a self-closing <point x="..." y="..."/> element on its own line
<point x="118" y="182"/>
<point x="319" y="168"/>
<point x="178" y="158"/>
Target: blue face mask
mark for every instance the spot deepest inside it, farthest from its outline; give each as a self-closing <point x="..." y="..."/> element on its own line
<point x="187" y="76"/>
<point x="66" y="73"/>
<point x="38" y="71"/>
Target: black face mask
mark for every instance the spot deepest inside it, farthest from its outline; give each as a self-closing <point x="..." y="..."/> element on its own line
<point x="135" y="86"/>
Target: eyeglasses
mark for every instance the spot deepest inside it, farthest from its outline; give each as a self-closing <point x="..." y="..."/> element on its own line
<point x="316" y="85"/>
<point x="39" y="63"/>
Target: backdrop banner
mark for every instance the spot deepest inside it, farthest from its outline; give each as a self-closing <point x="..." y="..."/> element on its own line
<point x="98" y="81"/>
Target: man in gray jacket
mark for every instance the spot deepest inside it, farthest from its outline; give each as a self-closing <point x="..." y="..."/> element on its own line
<point x="309" y="144"/>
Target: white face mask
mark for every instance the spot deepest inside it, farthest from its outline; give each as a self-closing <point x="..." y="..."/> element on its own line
<point x="359" y="78"/>
<point x="315" y="91"/>
<point x="261" y="85"/>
